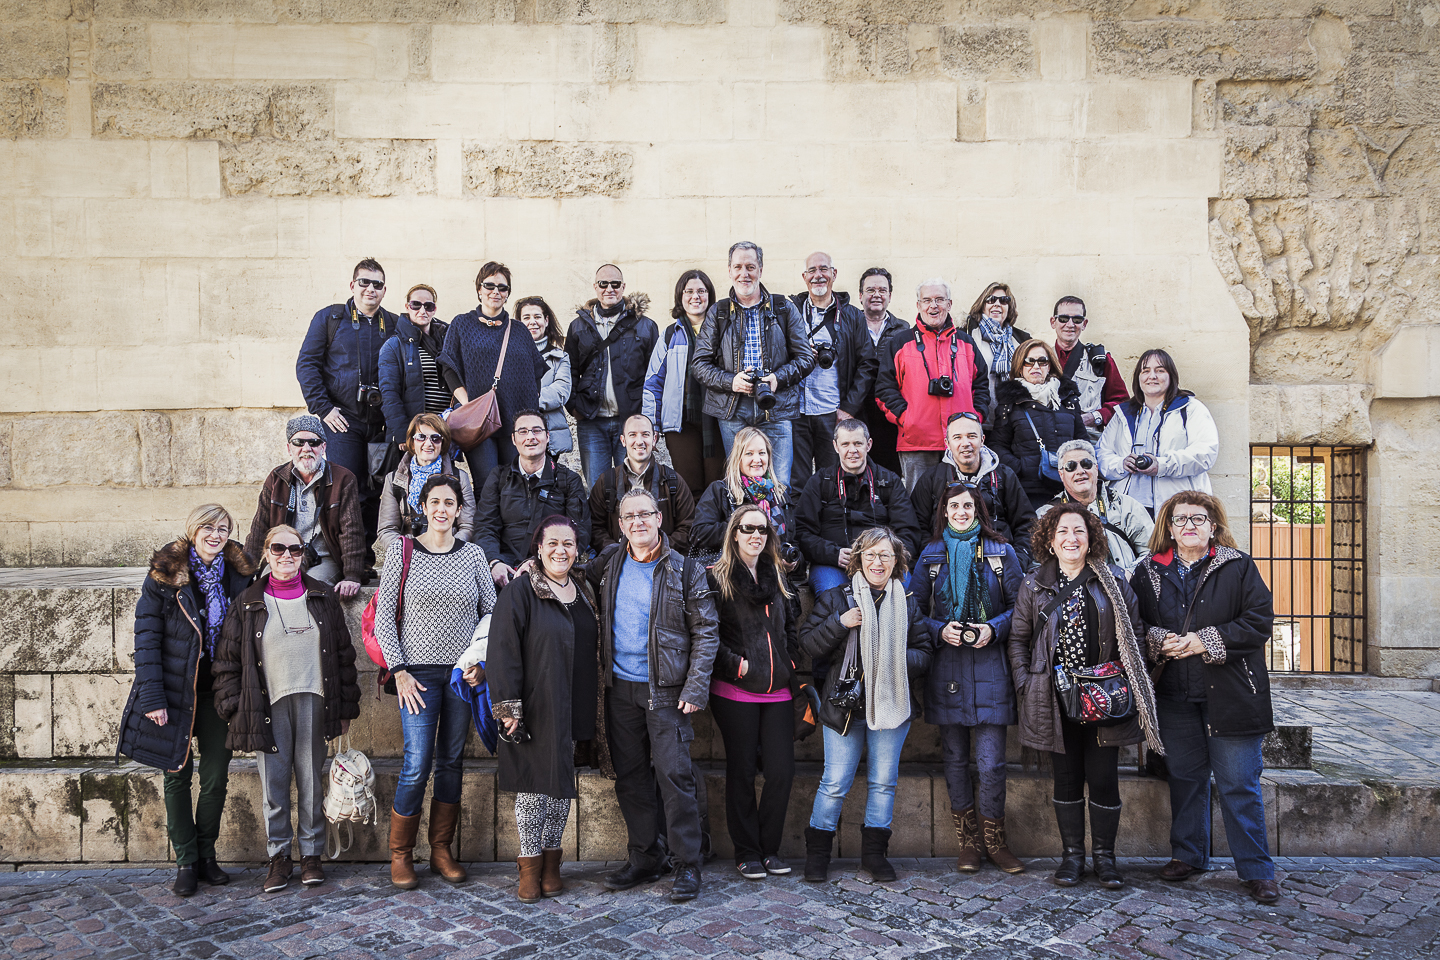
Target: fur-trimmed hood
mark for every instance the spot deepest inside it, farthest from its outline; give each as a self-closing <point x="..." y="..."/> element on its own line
<point x="636" y="303"/>
<point x="170" y="565"/>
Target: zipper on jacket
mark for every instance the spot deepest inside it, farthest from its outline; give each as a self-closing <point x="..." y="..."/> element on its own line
<point x="194" y="683"/>
<point x="770" y="642"/>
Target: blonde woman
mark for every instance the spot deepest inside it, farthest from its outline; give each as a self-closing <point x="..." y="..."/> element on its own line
<point x="749" y="478"/>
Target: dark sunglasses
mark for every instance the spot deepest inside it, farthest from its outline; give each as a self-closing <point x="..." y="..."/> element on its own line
<point x="294" y="549"/>
<point x="1085" y="463"/>
<point x="367" y="282"/>
<point x="750" y="529"/>
<point x="1001" y="299"/>
<point x="307" y="441"/>
<point x="957" y="486"/>
<point x="1036" y="361"/>
<point x="609" y="284"/>
<point x="487" y="285"/>
<point x="967" y="415"/>
<point x="1062" y="318"/>
<point x="428" y="306"/>
<point x="432" y="437"/>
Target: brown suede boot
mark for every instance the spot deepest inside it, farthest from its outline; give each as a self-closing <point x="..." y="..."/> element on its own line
<point x="995" y="847"/>
<point x="550" y="881"/>
<point x="402" y="850"/>
<point x="443" y="817"/>
<point x="530" y="890"/>
<point x="967" y="832"/>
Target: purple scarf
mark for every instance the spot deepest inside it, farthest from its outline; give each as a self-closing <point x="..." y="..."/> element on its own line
<point x="212" y="587"/>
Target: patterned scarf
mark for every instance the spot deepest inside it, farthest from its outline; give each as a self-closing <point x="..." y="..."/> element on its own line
<point x="761" y="492"/>
<point x="884" y="638"/>
<point x="964" y="592"/>
<point x="212" y="587"/>
<point x="418" y="475"/>
<point x="997" y="334"/>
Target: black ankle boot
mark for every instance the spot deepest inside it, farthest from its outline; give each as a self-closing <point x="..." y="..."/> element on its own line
<point x="185" y="884"/>
<point x="818" y="844"/>
<point x="874" y="844"/>
<point x="1070" y="817"/>
<point x="1104" y="825"/>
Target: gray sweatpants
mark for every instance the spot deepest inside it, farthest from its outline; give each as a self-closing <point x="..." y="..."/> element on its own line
<point x="298" y="723"/>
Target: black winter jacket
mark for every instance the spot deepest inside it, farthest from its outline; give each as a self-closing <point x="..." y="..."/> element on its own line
<point x="330" y="370"/>
<point x="511" y="505"/>
<point x="720" y="353"/>
<point x="168" y="644"/>
<point x="1011" y="512"/>
<point x="1012" y="439"/>
<point x="855" y="363"/>
<point x="677" y="506"/>
<point x="823" y="637"/>
<point x="755" y="626"/>
<point x="1233" y="616"/>
<point x="630" y="342"/>
<point x="827" y="523"/>
<point x="402" y="381"/>
<point x="712" y="513"/>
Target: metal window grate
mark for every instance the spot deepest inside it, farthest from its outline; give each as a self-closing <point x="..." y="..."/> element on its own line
<point x="1307" y="535"/>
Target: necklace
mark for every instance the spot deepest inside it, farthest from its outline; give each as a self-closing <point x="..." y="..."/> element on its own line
<point x="286" y="628"/>
<point x="562" y="586"/>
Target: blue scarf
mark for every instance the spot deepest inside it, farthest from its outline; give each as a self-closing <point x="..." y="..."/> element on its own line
<point x="418" y="476"/>
<point x="964" y="592"/>
<point x="212" y="587"/>
<point x="997" y="334"/>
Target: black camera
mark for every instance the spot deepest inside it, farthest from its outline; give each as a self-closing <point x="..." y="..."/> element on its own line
<point x="790" y="553"/>
<point x="521" y="735"/>
<point x="764" y="396"/>
<point x="1099" y="362"/>
<point x="368" y="396"/>
<point x="312" y="556"/>
<point x="942" y="387"/>
<point x="969" y="635"/>
<point x="419" y="524"/>
<point x="1144" y="462"/>
<point x="825" y="355"/>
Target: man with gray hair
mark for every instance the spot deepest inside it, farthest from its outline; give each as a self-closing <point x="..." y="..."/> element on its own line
<point x="925" y="376"/>
<point x="752" y="357"/>
<point x="321" y="500"/>
<point x="1127" y="524"/>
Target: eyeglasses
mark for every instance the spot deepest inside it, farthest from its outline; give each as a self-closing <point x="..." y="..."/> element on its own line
<point x="609" y="284"/>
<point x="931" y="301"/>
<point x="424" y="306"/>
<point x="877" y="557"/>
<point x="1064" y="320"/>
<point x="428" y="438"/>
<point x="280" y="549"/>
<point x="306" y="442"/>
<point x="1196" y="520"/>
<point x="1000" y="299"/>
<point x="1084" y="463"/>
<point x="638" y="515"/>
<point x="750" y="529"/>
<point x="530" y="431"/>
<point x="210" y="530"/>
<point x="1035" y="362"/>
<point x="956" y="486"/>
<point x="487" y="285"/>
<point x="367" y="282"/>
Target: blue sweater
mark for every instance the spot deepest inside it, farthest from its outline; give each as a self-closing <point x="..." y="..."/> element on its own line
<point x="632" y="619"/>
<point x="472" y="350"/>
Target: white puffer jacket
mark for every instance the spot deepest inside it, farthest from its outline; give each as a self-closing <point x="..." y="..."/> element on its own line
<point x="1186" y="447"/>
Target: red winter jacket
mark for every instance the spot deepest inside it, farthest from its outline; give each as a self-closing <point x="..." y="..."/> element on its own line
<point x="902" y="388"/>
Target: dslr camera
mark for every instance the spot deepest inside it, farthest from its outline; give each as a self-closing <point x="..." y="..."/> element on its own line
<point x="368" y="395"/>
<point x="969" y="635"/>
<point x="825" y="355"/>
<point x="1144" y="461"/>
<point x="790" y="553"/>
<point x="764" y="396"/>
<point x="521" y="735"/>
<point x="942" y="387"/>
<point x="1099" y="362"/>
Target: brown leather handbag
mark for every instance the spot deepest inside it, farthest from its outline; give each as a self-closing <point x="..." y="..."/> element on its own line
<point x="474" y="422"/>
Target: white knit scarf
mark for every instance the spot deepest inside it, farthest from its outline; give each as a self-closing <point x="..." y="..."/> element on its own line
<point x="884" y="637"/>
<point x="1046" y="394"/>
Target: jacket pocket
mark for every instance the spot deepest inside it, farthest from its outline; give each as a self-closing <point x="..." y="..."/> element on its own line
<point x="673" y="658"/>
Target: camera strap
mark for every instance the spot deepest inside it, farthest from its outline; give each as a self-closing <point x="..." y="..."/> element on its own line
<point x="920" y="345"/>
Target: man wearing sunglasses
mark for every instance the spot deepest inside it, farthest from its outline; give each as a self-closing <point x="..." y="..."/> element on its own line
<point x="1093" y="370"/>
<point x="321" y="500"/>
<point x="609" y="344"/>
<point x="339" y="373"/>
<point x="1127" y="523"/>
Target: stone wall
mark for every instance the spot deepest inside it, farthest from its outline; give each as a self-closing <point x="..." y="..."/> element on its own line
<point x="183" y="183"/>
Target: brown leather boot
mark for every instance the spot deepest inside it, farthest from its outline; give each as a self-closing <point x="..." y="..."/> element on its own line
<point x="443" y="817"/>
<point x="530" y="890"/>
<point x="967" y="832"/>
<point x="995" y="847"/>
<point x="402" y="850"/>
<point x="550" y="882"/>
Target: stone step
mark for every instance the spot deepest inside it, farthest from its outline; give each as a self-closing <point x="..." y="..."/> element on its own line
<point x="102" y="813"/>
<point x="1347" y="682"/>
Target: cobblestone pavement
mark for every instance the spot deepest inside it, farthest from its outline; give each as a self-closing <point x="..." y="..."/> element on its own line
<point x="1332" y="909"/>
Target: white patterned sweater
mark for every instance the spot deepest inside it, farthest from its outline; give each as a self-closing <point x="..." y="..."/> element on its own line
<point x="445" y="596"/>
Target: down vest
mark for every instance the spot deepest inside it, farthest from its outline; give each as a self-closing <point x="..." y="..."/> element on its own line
<point x="241" y="697"/>
<point x="167" y="654"/>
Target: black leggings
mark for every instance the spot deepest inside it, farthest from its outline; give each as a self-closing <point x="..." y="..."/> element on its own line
<point x="766" y="730"/>
<point x="1086" y="762"/>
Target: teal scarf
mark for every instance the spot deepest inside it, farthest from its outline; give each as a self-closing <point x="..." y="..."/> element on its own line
<point x="963" y="593"/>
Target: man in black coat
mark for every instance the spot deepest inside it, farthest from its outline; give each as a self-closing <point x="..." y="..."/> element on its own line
<point x="640" y="470"/>
<point x="876" y="287"/>
<point x="843" y="501"/>
<point x="837" y="388"/>
<point x="968" y="460"/>
<point x="517" y="496"/>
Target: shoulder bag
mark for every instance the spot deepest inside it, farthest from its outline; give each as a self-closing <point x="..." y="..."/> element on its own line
<point x="475" y="422"/>
<point x="367" y="621"/>
<point x="1049" y="462"/>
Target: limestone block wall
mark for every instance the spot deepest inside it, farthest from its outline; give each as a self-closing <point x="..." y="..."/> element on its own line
<point x="183" y="184"/>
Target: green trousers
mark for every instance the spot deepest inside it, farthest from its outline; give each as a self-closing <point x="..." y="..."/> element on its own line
<point x="193" y="833"/>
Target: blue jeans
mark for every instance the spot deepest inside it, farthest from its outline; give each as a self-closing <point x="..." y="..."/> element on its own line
<point x="842" y="758"/>
<point x="600" y="447"/>
<point x="781" y="449"/>
<point x="488" y="455"/>
<point x="1193" y="755"/>
<point x="824" y="578"/>
<point x="433" y="737"/>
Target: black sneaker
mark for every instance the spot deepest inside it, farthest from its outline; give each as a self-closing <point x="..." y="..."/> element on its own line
<point x="751" y="869"/>
<point x="776" y="867"/>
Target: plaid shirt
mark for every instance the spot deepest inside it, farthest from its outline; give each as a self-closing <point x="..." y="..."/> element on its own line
<point x="754" y="357"/>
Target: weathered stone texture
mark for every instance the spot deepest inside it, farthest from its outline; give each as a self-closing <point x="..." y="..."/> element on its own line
<point x="376" y="168"/>
<point x="32" y="110"/>
<point x="244" y="11"/>
<point x="121" y="51"/>
<point x="39" y="813"/>
<point x="890" y="51"/>
<point x="180" y="110"/>
<point x="1265" y="162"/>
<point x="408" y="11"/>
<point x="630" y="11"/>
<point x="34" y="50"/>
<point x="74" y="444"/>
<point x="87" y="714"/>
<point x="987" y="52"/>
<point x="60" y="630"/>
<point x="1310" y="413"/>
<point x="614" y="54"/>
<point x="546" y="170"/>
<point x="1253" y="50"/>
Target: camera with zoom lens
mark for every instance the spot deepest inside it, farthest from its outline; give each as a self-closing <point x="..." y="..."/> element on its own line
<point x="368" y="395"/>
<point x="419" y="524"/>
<point x="521" y="735"/>
<point x="764" y="396"/>
<point x="1144" y="462"/>
<point x="790" y="553"/>
<point x="312" y="556"/>
<point x="969" y="635"/>
<point x="825" y="355"/>
<point x="942" y="387"/>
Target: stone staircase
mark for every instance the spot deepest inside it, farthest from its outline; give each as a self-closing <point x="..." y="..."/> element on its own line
<point x="66" y="637"/>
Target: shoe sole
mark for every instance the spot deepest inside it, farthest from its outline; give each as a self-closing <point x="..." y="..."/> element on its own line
<point x="313" y="883"/>
<point x="683" y="897"/>
<point x="269" y="889"/>
<point x="778" y="873"/>
<point x="629" y="886"/>
<point x="754" y="876"/>
<point x="405" y="886"/>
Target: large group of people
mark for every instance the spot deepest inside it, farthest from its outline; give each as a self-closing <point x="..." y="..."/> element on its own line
<point x="872" y="520"/>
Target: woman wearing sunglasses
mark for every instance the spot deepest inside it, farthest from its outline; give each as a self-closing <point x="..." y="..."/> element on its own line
<point x="750" y="691"/>
<point x="285" y="681"/>
<point x="966" y="582"/>
<point x="991" y="323"/>
<point x="475" y="348"/>
<point x="411" y="378"/>
<point x="428" y="454"/>
<point x="183" y="603"/>
<point x="1038" y="411"/>
<point x="873" y="647"/>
